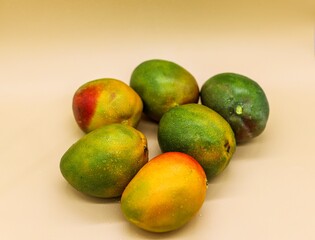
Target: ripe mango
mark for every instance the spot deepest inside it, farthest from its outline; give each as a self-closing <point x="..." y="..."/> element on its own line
<point x="166" y="193"/>
<point x="105" y="101"/>
<point x="103" y="162"/>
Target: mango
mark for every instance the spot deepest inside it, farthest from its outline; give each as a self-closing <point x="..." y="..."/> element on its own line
<point x="105" y="101"/>
<point x="163" y="84"/>
<point x="240" y="100"/>
<point x="103" y="162"/>
<point x="200" y="132"/>
<point x="166" y="193"/>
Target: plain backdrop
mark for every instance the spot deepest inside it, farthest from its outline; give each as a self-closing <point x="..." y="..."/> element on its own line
<point x="49" y="48"/>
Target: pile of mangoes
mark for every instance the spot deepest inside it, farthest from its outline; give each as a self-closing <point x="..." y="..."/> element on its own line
<point x="198" y="133"/>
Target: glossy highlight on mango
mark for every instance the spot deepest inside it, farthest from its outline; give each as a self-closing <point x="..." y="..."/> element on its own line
<point x="105" y="101"/>
<point x="166" y="193"/>
<point x="163" y="84"/>
<point x="202" y="133"/>
<point x="103" y="162"/>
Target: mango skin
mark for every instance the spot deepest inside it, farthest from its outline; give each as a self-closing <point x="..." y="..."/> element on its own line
<point x="200" y="132"/>
<point x="103" y="162"/>
<point x="166" y="193"/>
<point x="240" y="100"/>
<point x="163" y="84"/>
<point x="105" y="101"/>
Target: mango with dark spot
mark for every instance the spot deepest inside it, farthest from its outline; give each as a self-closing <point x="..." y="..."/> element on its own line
<point x="103" y="162"/>
<point x="166" y="193"/>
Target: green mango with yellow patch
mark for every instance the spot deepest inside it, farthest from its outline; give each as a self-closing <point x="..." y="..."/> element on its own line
<point x="162" y="85"/>
<point x="103" y="162"/>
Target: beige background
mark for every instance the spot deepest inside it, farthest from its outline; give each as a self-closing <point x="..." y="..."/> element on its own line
<point x="49" y="48"/>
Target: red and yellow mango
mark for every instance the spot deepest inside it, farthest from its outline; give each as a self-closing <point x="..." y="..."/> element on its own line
<point x="105" y="101"/>
<point x="166" y="193"/>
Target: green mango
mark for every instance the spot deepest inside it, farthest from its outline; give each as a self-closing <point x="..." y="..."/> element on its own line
<point x="103" y="162"/>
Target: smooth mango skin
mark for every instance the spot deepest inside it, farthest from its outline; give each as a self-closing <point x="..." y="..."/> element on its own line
<point x="202" y="133"/>
<point x="105" y="101"/>
<point x="166" y="193"/>
<point x="103" y="162"/>
<point x="240" y="100"/>
<point x="163" y="84"/>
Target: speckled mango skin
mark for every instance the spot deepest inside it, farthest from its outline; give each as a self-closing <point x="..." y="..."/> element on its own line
<point x="202" y="133"/>
<point x="240" y="100"/>
<point x="163" y="84"/>
<point x="105" y="101"/>
<point x="166" y="193"/>
<point x="103" y="162"/>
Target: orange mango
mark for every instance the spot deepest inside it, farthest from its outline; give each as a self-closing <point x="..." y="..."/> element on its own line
<point x="166" y="193"/>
